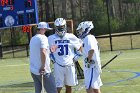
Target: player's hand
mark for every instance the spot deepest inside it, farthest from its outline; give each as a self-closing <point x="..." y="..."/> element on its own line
<point x="53" y="48"/>
<point x="42" y="70"/>
<point x="77" y="55"/>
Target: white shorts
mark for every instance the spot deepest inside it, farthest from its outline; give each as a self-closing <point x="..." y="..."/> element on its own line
<point x="65" y="75"/>
<point x="92" y="78"/>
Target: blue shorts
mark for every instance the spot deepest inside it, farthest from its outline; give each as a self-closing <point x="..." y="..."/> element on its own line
<point x="49" y="83"/>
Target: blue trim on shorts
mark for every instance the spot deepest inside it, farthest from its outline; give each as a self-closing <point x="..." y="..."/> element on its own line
<point x="91" y="79"/>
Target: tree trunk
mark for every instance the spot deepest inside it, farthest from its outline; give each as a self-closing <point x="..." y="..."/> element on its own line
<point x="64" y="8"/>
<point x="40" y="11"/>
<point x="120" y="9"/>
<point x="73" y="10"/>
<point x="47" y="10"/>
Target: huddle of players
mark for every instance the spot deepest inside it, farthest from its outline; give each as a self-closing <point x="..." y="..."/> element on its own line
<point x="62" y="46"/>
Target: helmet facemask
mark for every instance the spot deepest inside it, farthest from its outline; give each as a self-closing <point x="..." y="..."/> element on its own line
<point x="82" y="33"/>
<point x="60" y="30"/>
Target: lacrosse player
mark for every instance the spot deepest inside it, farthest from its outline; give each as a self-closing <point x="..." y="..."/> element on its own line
<point x="62" y="45"/>
<point x="40" y="61"/>
<point x="91" y="57"/>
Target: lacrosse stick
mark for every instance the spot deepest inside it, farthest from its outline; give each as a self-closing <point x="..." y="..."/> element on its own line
<point x="111" y="60"/>
<point x="79" y="70"/>
<point x="42" y="80"/>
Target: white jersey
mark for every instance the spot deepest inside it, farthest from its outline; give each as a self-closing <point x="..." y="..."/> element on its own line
<point x="90" y="42"/>
<point x="37" y="42"/>
<point x="65" y="48"/>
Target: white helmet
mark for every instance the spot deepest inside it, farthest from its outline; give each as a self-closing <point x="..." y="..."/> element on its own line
<point x="60" y="27"/>
<point x="84" y="28"/>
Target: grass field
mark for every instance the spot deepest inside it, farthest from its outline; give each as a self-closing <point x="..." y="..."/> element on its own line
<point x="120" y="76"/>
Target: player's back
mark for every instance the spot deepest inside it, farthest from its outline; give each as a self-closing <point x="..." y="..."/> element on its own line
<point x="90" y="42"/>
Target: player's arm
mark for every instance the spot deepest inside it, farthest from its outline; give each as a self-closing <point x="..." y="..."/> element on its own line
<point x="43" y="51"/>
<point x="43" y="60"/>
<point x="78" y="54"/>
<point x="78" y="48"/>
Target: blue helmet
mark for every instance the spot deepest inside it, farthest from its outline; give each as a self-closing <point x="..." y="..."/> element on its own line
<point x="84" y="28"/>
<point x="60" y="27"/>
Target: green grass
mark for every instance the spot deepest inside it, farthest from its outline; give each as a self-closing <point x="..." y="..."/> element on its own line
<point x="15" y="75"/>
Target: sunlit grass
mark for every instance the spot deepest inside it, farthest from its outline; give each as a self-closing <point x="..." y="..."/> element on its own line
<point x="15" y="75"/>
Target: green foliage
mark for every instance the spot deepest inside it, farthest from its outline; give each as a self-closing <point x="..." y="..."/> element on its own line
<point x="115" y="24"/>
<point x="5" y="36"/>
<point x="98" y="14"/>
<point x="137" y="20"/>
<point x="18" y="37"/>
<point x="101" y="25"/>
<point x="130" y="20"/>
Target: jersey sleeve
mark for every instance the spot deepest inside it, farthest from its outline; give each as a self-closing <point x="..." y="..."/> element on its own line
<point x="76" y="42"/>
